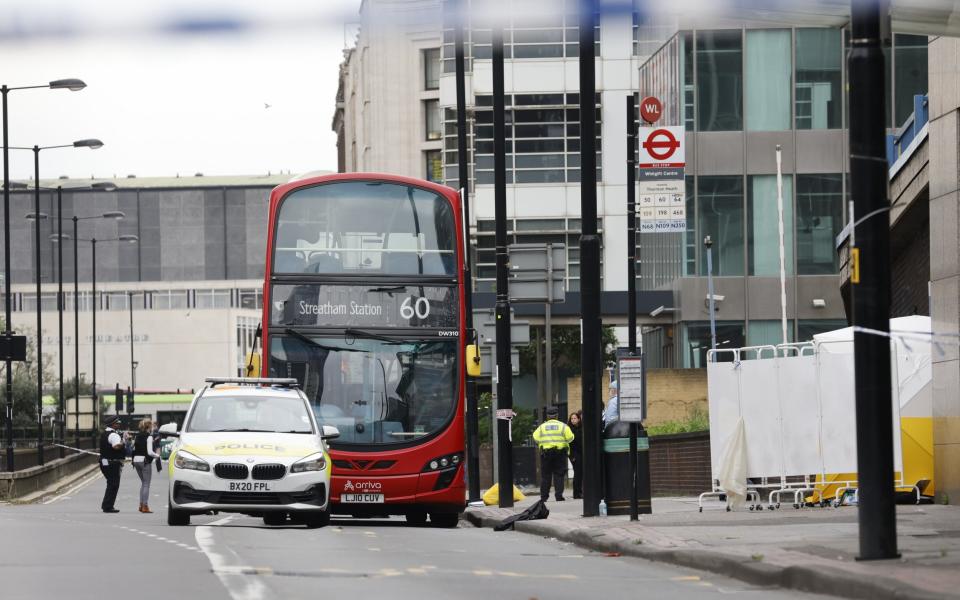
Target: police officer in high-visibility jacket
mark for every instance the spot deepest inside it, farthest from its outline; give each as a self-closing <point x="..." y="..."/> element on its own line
<point x="553" y="437"/>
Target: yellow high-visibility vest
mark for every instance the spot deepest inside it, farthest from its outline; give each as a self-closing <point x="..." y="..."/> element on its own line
<point x="553" y="434"/>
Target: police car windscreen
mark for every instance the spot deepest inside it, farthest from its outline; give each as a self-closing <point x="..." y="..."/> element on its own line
<point x="250" y="413"/>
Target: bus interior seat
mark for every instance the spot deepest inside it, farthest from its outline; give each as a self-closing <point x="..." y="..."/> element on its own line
<point x="401" y="263"/>
<point x="289" y="235"/>
<point x="323" y="262"/>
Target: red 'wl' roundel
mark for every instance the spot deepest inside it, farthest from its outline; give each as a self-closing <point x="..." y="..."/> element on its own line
<point x="661" y="144"/>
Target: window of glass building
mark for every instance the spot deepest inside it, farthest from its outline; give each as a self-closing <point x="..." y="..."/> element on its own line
<point x="768" y="72"/>
<point x="819" y="221"/>
<point x="807" y="328"/>
<point x="542" y="138"/>
<point x="763" y="243"/>
<point x="690" y="238"/>
<point x="686" y="70"/>
<point x="819" y="79"/>
<point x="696" y="342"/>
<point x="720" y="215"/>
<point x="720" y="80"/>
<point x="433" y="166"/>
<point x="431" y="119"/>
<point x="431" y="69"/>
<point x="910" y="73"/>
<point x="768" y="333"/>
<point x="529" y="231"/>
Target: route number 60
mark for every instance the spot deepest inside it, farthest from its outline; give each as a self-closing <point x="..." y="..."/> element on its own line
<point x="419" y="307"/>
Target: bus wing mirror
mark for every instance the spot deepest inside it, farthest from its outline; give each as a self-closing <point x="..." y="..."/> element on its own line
<point x="330" y="432"/>
<point x="473" y="360"/>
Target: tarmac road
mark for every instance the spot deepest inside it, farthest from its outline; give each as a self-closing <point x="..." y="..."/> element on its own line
<point x="65" y="547"/>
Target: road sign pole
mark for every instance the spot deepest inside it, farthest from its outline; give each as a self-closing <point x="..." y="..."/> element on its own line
<point x="590" y="324"/>
<point x="871" y="296"/>
<point x="473" y="429"/>
<point x="632" y="280"/>
<point x="504" y="369"/>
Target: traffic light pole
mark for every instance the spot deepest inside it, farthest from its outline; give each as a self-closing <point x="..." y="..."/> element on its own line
<point x="504" y="368"/>
<point x="871" y="294"/>
<point x="473" y="427"/>
<point x="590" y="323"/>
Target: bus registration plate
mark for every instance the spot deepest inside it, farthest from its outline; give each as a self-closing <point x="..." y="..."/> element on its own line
<point x="361" y="498"/>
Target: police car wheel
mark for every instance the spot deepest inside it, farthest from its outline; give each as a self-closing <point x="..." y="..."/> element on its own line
<point x="274" y="518"/>
<point x="316" y="519"/>
<point x="444" y="519"/>
<point x="417" y="519"/>
<point x="177" y="517"/>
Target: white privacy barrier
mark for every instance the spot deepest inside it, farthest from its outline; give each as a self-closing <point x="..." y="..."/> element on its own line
<point x="797" y="403"/>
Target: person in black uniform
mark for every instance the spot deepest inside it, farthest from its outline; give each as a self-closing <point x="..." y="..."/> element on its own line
<point x="576" y="452"/>
<point x="112" y="454"/>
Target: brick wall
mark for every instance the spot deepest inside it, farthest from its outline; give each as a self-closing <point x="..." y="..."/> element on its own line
<point x="910" y="268"/>
<point x="672" y="394"/>
<point x="680" y="464"/>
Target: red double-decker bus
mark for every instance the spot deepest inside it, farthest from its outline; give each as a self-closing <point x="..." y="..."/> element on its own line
<point x="363" y="305"/>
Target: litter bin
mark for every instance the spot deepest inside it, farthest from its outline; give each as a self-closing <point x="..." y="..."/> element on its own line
<point x="616" y="470"/>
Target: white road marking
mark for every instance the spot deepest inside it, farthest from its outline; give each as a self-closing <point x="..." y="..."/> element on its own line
<point x="235" y="578"/>
<point x="66" y="495"/>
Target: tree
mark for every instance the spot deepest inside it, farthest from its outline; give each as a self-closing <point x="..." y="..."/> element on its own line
<point x="25" y="383"/>
<point x="566" y="349"/>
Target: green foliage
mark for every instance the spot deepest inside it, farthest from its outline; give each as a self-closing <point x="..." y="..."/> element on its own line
<point x="25" y="383"/>
<point x="566" y="349"/>
<point x="697" y="420"/>
<point x="523" y="424"/>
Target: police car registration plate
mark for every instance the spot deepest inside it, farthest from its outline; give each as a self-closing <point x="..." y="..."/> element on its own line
<point x="249" y="486"/>
<point x="364" y="498"/>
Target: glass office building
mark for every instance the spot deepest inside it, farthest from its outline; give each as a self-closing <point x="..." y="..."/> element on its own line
<point x="742" y="93"/>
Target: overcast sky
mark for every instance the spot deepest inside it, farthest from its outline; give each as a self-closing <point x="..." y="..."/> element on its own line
<point x="167" y="103"/>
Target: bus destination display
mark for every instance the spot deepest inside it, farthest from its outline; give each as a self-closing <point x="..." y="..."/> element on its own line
<point x="366" y="306"/>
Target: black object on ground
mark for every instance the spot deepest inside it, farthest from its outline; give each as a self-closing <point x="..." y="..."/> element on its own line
<point x="538" y="510"/>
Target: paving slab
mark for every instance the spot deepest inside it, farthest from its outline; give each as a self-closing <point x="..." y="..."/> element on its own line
<point x="810" y="549"/>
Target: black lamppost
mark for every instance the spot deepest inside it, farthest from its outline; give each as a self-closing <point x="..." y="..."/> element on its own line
<point x="76" y="320"/>
<point x="93" y="306"/>
<point x="93" y="144"/>
<point x="57" y="238"/>
<point x="60" y="84"/>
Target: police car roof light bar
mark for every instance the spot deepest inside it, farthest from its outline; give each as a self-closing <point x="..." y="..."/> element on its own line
<point x="259" y="381"/>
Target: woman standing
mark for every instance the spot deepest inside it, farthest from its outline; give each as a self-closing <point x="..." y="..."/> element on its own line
<point x="144" y="454"/>
<point x="576" y="453"/>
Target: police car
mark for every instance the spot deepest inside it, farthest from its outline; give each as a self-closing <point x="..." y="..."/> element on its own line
<point x="251" y="446"/>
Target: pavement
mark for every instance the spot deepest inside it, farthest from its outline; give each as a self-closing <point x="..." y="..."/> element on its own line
<point x="63" y="546"/>
<point x="809" y="549"/>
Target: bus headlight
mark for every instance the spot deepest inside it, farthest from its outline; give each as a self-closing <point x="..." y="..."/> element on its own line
<point x="443" y="462"/>
<point x="185" y="460"/>
<point x="314" y="462"/>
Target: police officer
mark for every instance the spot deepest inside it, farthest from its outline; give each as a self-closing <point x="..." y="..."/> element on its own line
<point x="553" y="437"/>
<point x="112" y="454"/>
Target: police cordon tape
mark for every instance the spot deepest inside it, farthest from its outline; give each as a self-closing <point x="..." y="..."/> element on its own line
<point x="87" y="451"/>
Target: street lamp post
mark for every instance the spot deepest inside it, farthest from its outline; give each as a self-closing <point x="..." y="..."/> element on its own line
<point x="93" y="281"/>
<point x="72" y="85"/>
<point x="93" y="144"/>
<point x="76" y="316"/>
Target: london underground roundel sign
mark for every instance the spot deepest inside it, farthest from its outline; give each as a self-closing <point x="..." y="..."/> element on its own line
<point x="661" y="147"/>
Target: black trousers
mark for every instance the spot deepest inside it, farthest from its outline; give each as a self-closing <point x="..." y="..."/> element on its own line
<point x="112" y="474"/>
<point x="577" y="475"/>
<point x="553" y="467"/>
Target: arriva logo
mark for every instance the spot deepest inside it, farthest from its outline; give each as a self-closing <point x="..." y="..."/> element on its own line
<point x="362" y="486"/>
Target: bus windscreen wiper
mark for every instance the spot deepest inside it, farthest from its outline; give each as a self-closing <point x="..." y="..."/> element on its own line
<point x="363" y="333"/>
<point x="395" y="288"/>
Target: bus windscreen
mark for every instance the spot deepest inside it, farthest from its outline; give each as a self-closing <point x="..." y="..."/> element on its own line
<point x="365" y="227"/>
